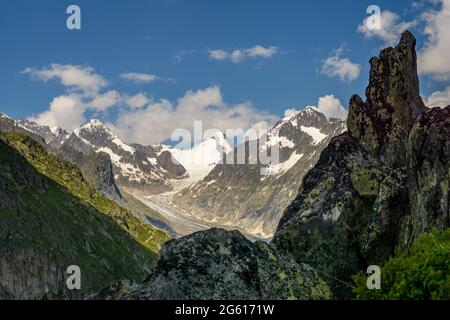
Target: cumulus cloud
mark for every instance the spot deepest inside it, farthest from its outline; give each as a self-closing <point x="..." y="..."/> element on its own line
<point x="157" y="121"/>
<point x="83" y="86"/>
<point x="77" y="78"/>
<point x="438" y="99"/>
<point x="65" y="111"/>
<point x="342" y="68"/>
<point x="391" y="28"/>
<point x="329" y="105"/>
<point x="104" y="101"/>
<point x="240" y="55"/>
<point x="137" y="101"/>
<point x="434" y="57"/>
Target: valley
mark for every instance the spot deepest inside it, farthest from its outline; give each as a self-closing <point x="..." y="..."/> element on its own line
<point x="181" y="221"/>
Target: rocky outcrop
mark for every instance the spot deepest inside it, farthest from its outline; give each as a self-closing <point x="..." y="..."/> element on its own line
<point x="217" y="264"/>
<point x="98" y="171"/>
<point x="378" y="186"/>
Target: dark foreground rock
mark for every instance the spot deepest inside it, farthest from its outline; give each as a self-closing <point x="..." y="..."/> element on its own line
<point x="217" y="264"/>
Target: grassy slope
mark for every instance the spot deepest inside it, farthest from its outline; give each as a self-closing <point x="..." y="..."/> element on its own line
<point x="69" y="176"/>
<point x="44" y="228"/>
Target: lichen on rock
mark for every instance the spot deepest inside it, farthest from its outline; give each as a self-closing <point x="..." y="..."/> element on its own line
<point x="217" y="264"/>
<point x="390" y="176"/>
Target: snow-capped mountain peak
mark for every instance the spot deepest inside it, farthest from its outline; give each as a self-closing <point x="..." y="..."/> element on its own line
<point x="203" y="157"/>
<point x="98" y="135"/>
<point x="252" y="201"/>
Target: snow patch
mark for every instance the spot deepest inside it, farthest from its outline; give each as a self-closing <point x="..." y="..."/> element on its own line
<point x="315" y="134"/>
<point x="115" y="159"/>
<point x="123" y="146"/>
<point x="281" y="168"/>
<point x="282" y="141"/>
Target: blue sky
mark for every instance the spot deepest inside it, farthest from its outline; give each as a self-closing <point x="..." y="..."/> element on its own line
<point x="172" y="39"/>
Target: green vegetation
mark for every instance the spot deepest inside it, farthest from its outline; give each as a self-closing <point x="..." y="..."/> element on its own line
<point x="69" y="176"/>
<point x="423" y="273"/>
<point x="44" y="229"/>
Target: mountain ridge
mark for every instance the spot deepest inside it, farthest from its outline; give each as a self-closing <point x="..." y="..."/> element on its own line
<point x="45" y="227"/>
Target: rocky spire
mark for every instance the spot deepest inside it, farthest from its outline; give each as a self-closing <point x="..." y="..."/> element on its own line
<point x="382" y="123"/>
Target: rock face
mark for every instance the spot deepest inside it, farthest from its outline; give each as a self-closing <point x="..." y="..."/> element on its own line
<point x="238" y="195"/>
<point x="45" y="227"/>
<point x="379" y="185"/>
<point x="217" y="264"/>
<point x="98" y="171"/>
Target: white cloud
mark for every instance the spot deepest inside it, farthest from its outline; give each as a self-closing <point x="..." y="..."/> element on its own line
<point x="143" y="121"/>
<point x="139" y="77"/>
<point x="76" y="78"/>
<point x="83" y="86"/>
<point x="104" y="101"/>
<point x="290" y="112"/>
<point x="434" y="57"/>
<point x="65" y="111"/>
<point x="137" y="101"/>
<point x="391" y="28"/>
<point x="156" y="122"/>
<point x="329" y="105"/>
<point x="438" y="99"/>
<point x="240" y="55"/>
<point x="237" y="56"/>
<point x="259" y="51"/>
<point x="342" y="68"/>
<point x="218" y="54"/>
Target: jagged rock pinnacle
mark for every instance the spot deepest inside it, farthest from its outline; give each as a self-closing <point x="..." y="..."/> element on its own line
<point x="393" y="100"/>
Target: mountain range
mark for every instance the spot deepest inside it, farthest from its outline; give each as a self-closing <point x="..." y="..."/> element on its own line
<point x="253" y="202"/>
<point x="344" y="195"/>
<point x="253" y="196"/>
